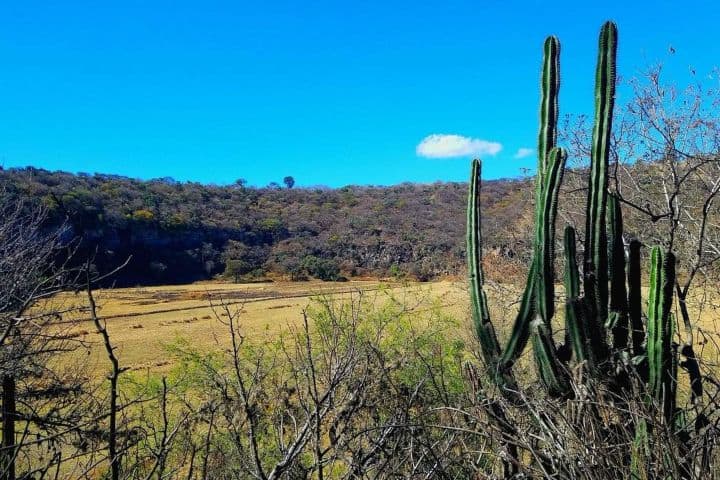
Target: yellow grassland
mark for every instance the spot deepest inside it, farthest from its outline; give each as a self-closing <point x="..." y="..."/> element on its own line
<point x="143" y="321"/>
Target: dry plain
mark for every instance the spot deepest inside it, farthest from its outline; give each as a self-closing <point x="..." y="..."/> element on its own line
<point x="143" y="321"/>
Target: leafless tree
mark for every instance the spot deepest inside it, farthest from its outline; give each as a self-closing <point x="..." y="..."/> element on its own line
<point x="33" y="269"/>
<point x="341" y="395"/>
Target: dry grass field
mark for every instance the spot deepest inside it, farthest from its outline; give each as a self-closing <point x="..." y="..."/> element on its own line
<point x="143" y="321"/>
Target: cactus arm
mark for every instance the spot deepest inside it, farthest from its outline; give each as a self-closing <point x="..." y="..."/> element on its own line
<point x="545" y="257"/>
<point x="539" y="293"/>
<point x="520" y="332"/>
<point x="576" y="335"/>
<point x="595" y="272"/>
<point x="549" y="90"/>
<point x="481" y="317"/>
<point x="546" y="359"/>
<point x="484" y="329"/>
<point x="660" y="350"/>
<point x="571" y="278"/>
<point x="546" y="356"/>
<point x="539" y="288"/>
<point x="654" y="346"/>
<point x="635" y="298"/>
<point x="547" y="138"/>
<point x="669" y="378"/>
<point x="616" y="274"/>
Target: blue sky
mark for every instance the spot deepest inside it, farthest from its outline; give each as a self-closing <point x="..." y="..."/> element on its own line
<point x="330" y="92"/>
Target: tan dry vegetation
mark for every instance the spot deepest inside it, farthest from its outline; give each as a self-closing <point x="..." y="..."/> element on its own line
<point x="143" y="321"/>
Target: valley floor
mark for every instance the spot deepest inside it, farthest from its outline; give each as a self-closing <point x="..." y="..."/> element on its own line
<point x="143" y="321"/>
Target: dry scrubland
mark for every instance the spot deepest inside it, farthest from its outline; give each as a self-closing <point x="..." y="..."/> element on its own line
<point x="143" y="321"/>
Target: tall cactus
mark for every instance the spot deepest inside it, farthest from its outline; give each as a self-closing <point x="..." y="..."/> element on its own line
<point x="618" y="315"/>
<point x="546" y="356"/>
<point x="539" y="295"/>
<point x="537" y="304"/>
<point x="481" y="316"/>
<point x="595" y="273"/>
<point x="635" y="298"/>
<point x="550" y="171"/>
<point x="662" y="371"/>
<point x="609" y="304"/>
<point x="597" y="311"/>
<point x="545" y="241"/>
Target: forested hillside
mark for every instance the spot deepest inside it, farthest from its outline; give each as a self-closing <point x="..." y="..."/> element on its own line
<point x="180" y="232"/>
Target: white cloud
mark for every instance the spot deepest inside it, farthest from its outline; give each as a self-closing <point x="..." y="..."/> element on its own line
<point x="445" y="146"/>
<point x="524" y="152"/>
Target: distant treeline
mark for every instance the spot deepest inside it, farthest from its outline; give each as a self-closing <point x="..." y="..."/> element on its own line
<point x="177" y="232"/>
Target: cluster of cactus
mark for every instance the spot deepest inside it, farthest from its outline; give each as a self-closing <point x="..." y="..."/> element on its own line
<point x="604" y="323"/>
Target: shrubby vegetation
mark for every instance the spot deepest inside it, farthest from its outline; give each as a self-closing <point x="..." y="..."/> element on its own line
<point x="363" y="388"/>
<point x="181" y="232"/>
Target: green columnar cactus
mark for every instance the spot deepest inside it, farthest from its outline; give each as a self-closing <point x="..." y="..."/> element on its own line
<point x="662" y="366"/>
<point x="571" y="277"/>
<point x="481" y="317"/>
<point x="595" y="273"/>
<point x="547" y="187"/>
<point x="549" y="111"/>
<point x="520" y="332"/>
<point x="597" y="310"/>
<point x="545" y="242"/>
<point x="576" y="334"/>
<point x="618" y="316"/>
<point x="609" y="304"/>
<point x="539" y="295"/>
<point x="484" y="329"/>
<point x="550" y="369"/>
<point x="635" y="298"/>
<point x="546" y="356"/>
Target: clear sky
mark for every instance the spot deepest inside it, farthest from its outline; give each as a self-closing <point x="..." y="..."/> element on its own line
<point x="330" y="92"/>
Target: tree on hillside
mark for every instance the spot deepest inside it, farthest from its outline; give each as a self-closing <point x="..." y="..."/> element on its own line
<point x="289" y="181"/>
<point x="321" y="268"/>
